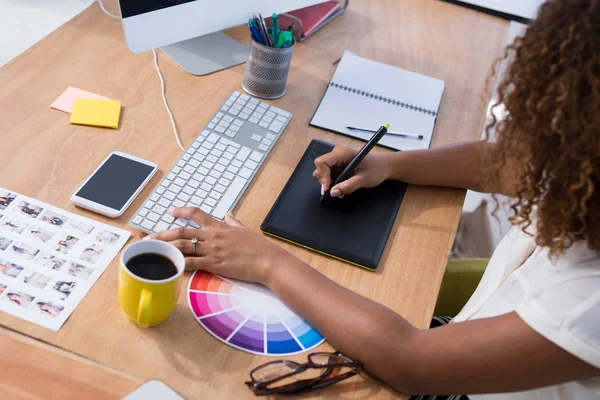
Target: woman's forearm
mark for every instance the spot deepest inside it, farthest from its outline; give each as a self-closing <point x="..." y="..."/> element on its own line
<point x="457" y="165"/>
<point x="362" y="329"/>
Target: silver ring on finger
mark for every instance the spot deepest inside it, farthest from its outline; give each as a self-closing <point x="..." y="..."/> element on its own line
<point x="194" y="242"/>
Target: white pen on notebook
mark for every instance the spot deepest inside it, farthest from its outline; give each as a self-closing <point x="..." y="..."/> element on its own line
<point x="404" y="135"/>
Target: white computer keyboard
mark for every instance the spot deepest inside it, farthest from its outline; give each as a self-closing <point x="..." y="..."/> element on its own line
<point x="218" y="166"/>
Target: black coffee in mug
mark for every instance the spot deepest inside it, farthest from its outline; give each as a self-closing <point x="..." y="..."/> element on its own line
<point x="152" y="266"/>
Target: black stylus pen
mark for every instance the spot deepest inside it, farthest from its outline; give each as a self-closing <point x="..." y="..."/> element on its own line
<point x="349" y="170"/>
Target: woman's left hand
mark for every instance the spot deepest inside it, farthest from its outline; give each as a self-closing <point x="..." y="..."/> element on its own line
<point x="227" y="249"/>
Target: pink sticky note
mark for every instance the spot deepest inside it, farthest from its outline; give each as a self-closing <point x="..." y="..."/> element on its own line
<point x="66" y="100"/>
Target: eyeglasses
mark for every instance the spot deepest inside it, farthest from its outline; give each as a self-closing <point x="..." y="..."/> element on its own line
<point x="288" y="377"/>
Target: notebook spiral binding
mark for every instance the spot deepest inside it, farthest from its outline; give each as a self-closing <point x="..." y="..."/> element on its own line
<point x="384" y="99"/>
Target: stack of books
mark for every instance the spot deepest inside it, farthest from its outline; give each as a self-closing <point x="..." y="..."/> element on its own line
<point x="310" y="19"/>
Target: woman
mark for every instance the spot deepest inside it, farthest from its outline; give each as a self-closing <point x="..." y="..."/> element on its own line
<point x="532" y="328"/>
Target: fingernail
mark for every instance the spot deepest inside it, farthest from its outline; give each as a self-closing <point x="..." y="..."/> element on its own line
<point x="147" y="237"/>
<point x="335" y="193"/>
<point x="322" y="190"/>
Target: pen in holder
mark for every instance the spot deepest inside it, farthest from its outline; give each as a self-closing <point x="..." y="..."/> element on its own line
<point x="267" y="70"/>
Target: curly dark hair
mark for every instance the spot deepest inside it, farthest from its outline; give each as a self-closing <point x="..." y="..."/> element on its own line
<point x="549" y="137"/>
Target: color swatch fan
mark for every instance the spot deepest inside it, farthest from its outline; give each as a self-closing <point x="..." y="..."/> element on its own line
<point x="248" y="317"/>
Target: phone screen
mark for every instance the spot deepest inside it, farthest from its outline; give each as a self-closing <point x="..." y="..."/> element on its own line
<point x="115" y="182"/>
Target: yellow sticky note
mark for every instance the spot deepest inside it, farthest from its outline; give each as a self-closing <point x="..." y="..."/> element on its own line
<point x="96" y="112"/>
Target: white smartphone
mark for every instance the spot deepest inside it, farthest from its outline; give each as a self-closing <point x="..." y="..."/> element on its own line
<point x="153" y="390"/>
<point x="114" y="185"/>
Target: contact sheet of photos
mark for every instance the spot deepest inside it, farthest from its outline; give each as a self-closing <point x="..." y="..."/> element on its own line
<point x="49" y="258"/>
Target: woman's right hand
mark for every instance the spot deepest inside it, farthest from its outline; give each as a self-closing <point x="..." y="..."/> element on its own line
<point x="371" y="172"/>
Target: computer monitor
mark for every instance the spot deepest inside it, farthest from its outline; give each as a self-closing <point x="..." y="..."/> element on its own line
<point x="188" y="30"/>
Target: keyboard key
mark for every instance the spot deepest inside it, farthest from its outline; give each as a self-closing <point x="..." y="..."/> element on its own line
<point x="216" y="153"/>
<point x="244" y="115"/>
<point x="270" y="114"/>
<point x="229" y="197"/>
<point x="232" y="169"/>
<point x="195" y="200"/>
<point x="184" y="197"/>
<point x="171" y="176"/>
<point x="219" y="167"/>
<point x="203" y="171"/>
<point x="201" y="193"/>
<point x="223" y="161"/>
<point x="219" y="115"/>
<point x="267" y="142"/>
<point x="228" y="175"/>
<point x="170" y="195"/>
<point x="220" y="129"/>
<point x="137" y="219"/>
<point x="208" y="165"/>
<point x="154" y="197"/>
<point x="258" y="115"/>
<point x="193" y="184"/>
<point x="251" y="164"/>
<point x="168" y="218"/>
<point x="234" y="112"/>
<point x="219" y="189"/>
<point x="267" y="120"/>
<point x="228" y="118"/>
<point x="234" y="128"/>
<point x="224" y="181"/>
<point x="280" y="112"/>
<point x="178" y="203"/>
<point x="181" y="222"/>
<point x="220" y="147"/>
<point x="239" y="123"/>
<point x="256" y="156"/>
<point x="184" y="175"/>
<point x="233" y="149"/>
<point x="143" y="212"/>
<point x="159" y="209"/>
<point x="236" y="107"/>
<point x="205" y="150"/>
<point x="206" y="208"/>
<point x="147" y="224"/>
<point x="211" y="126"/>
<point x="256" y="137"/>
<point x="195" y="144"/>
<point x="276" y="127"/>
<point x="190" y="150"/>
<point x="228" y="156"/>
<point x="230" y="133"/>
<point x="181" y="163"/>
<point x="149" y="204"/>
<point x="200" y="177"/>
<point x="161" y="227"/>
<point x="193" y="164"/>
<point x="254" y="101"/>
<point x="198" y="157"/>
<point x="244" y="97"/>
<point x="179" y="182"/>
<point x="164" y="202"/>
<point x="205" y="186"/>
<point x="225" y="108"/>
<point x="263" y="147"/>
<point x="189" y="189"/>
<point x="165" y="183"/>
<point x="153" y="216"/>
<point x="175" y="189"/>
<point x="270" y="136"/>
<point x="210" y="201"/>
<point x="160" y="189"/>
<point x="263" y="124"/>
<point x="236" y="163"/>
<point x="215" y="120"/>
<point x="243" y="154"/>
<point x="281" y="119"/>
<point x="212" y="138"/>
<point x="254" y="120"/>
<point x="204" y="134"/>
<point x="245" y="173"/>
<point x="176" y="170"/>
<point x="186" y="157"/>
<point x="210" y="180"/>
<point x="215" y="174"/>
<point x="210" y="158"/>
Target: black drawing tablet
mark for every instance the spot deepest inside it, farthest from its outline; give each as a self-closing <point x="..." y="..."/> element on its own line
<point x="354" y="229"/>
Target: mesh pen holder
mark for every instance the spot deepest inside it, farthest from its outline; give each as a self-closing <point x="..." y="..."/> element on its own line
<point x="267" y="70"/>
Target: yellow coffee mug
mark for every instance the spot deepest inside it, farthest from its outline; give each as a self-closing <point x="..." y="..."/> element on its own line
<point x="149" y="302"/>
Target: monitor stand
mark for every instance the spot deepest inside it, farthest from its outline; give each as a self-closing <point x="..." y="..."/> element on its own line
<point x="207" y="54"/>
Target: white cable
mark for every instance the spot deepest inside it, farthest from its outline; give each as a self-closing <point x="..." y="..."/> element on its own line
<point x="106" y="12"/>
<point x="162" y="86"/>
<point x="162" y="81"/>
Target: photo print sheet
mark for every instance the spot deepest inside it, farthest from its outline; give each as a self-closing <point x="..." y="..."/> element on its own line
<point x="50" y="258"/>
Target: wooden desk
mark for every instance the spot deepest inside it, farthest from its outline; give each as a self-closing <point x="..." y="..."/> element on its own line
<point x="35" y="370"/>
<point x="46" y="158"/>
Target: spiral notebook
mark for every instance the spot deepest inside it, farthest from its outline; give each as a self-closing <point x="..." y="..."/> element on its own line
<point x="367" y="94"/>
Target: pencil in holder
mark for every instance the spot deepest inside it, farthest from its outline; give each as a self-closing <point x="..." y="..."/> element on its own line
<point x="267" y="70"/>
